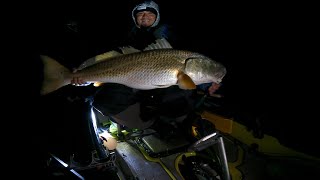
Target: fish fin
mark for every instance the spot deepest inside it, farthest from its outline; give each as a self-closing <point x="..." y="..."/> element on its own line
<point x="185" y="82"/>
<point x="98" y="58"/>
<point x="107" y="55"/>
<point x="97" y="84"/>
<point x="128" y="49"/>
<point x="159" y="44"/>
<point x="55" y="75"/>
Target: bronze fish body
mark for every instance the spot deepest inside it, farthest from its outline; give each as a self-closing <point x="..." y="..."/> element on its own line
<point x="148" y="69"/>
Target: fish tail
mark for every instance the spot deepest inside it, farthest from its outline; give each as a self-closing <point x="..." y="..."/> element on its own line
<point x="55" y="75"/>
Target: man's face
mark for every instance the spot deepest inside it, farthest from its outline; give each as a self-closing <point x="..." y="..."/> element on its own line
<point x="145" y="18"/>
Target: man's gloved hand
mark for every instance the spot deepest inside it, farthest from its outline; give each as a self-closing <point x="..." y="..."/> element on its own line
<point x="79" y="82"/>
<point x="209" y="88"/>
<point x="213" y="88"/>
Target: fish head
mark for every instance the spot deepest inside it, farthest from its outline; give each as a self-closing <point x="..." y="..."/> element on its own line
<point x="202" y="69"/>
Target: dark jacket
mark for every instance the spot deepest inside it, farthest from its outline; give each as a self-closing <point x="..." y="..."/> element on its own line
<point x="142" y="37"/>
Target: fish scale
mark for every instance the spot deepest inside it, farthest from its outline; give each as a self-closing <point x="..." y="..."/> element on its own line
<point x="160" y="63"/>
<point x="156" y="68"/>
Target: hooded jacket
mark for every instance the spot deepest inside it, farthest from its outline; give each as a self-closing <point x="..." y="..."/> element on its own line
<point x="142" y="37"/>
<point x="147" y="6"/>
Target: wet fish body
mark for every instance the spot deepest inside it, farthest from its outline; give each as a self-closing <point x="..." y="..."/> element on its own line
<point x="150" y="69"/>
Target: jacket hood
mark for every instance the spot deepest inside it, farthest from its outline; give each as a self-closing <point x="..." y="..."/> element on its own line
<point x="145" y="6"/>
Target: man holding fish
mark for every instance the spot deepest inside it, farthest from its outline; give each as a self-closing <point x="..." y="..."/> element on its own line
<point x="147" y="73"/>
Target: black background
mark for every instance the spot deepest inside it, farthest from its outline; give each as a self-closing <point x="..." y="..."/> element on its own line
<point x="265" y="48"/>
